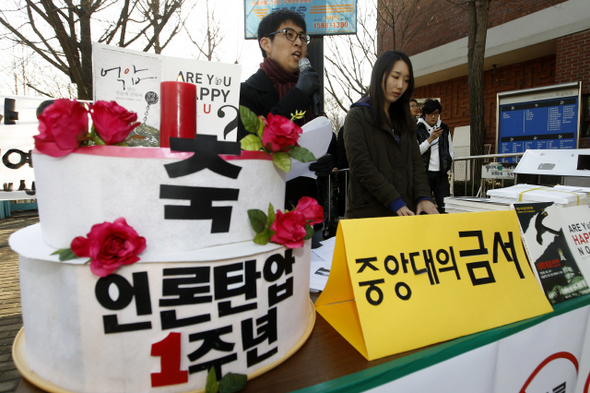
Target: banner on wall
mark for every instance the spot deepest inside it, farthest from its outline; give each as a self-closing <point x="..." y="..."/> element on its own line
<point x="132" y="79"/>
<point x="393" y="289"/>
<point x="18" y="125"/>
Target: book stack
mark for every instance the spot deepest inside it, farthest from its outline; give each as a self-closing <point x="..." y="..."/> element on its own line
<point x="465" y="204"/>
<point x="559" y="195"/>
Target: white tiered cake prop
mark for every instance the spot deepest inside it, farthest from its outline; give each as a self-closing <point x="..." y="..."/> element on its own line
<point x="197" y="298"/>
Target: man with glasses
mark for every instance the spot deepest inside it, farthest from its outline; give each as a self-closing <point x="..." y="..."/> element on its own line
<point x="436" y="147"/>
<point x="279" y="88"/>
<point x="415" y="109"/>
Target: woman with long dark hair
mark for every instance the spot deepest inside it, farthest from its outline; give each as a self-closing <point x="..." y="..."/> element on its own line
<point x="387" y="174"/>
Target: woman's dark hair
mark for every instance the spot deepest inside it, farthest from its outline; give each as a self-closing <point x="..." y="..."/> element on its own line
<point x="43" y="105"/>
<point x="399" y="111"/>
<point x="274" y="20"/>
<point x="430" y="106"/>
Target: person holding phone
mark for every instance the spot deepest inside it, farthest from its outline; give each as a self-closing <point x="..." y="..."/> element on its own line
<point x="436" y="147"/>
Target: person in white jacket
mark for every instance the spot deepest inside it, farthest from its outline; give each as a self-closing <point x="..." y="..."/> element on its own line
<point x="436" y="147"/>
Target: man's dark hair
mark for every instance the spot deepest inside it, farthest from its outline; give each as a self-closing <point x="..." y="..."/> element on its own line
<point x="274" y="20"/>
<point x="430" y="106"/>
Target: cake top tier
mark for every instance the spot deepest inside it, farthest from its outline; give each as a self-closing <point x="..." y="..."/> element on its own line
<point x="177" y="201"/>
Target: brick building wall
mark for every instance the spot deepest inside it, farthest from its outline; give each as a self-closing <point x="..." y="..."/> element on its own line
<point x="454" y="93"/>
<point x="440" y="22"/>
<point x="572" y="65"/>
<point x="573" y="59"/>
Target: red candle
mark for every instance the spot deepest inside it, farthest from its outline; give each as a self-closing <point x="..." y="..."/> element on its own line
<point x="178" y="111"/>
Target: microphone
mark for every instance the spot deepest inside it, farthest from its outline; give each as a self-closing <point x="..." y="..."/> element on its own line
<point x="304" y="64"/>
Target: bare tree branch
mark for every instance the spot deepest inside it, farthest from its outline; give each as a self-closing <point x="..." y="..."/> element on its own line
<point x="211" y="37"/>
<point x="349" y="61"/>
<point x="21" y="39"/>
<point x="381" y="25"/>
<point x="60" y="31"/>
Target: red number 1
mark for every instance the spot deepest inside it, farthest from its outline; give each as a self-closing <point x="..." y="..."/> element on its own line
<point x="169" y="352"/>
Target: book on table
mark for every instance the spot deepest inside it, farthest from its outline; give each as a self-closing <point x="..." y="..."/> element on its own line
<point x="545" y="231"/>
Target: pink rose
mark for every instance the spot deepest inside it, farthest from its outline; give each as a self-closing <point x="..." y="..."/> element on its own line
<point x="289" y="229"/>
<point x="62" y="125"/>
<point x="109" y="245"/>
<point x="112" y="122"/>
<point x="280" y="133"/>
<point x="311" y="210"/>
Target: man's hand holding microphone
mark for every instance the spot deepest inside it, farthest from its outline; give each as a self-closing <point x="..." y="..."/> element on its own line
<point x="309" y="83"/>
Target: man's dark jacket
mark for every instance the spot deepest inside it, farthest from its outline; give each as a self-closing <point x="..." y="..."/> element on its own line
<point x="446" y="161"/>
<point x="258" y="94"/>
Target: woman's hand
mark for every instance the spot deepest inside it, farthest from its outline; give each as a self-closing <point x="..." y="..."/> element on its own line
<point x="427" y="207"/>
<point x="405" y="211"/>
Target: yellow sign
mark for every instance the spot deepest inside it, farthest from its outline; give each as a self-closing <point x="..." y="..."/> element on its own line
<point x="402" y="283"/>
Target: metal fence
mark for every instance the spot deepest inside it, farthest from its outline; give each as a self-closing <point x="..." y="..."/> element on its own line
<point x="467" y="170"/>
<point x="462" y="171"/>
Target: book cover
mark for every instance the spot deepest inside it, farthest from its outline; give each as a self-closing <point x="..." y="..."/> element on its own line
<point x="132" y="79"/>
<point x="550" y="256"/>
<point x="575" y="222"/>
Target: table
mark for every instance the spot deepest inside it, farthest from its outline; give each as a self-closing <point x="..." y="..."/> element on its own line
<point x="325" y="356"/>
<point x="6" y="207"/>
<point x="328" y="363"/>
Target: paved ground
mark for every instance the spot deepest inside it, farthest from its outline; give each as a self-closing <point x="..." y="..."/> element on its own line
<point x="10" y="309"/>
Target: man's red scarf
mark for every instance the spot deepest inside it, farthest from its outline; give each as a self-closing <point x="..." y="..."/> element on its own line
<point x="282" y="81"/>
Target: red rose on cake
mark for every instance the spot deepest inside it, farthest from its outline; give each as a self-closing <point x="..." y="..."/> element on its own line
<point x="275" y="135"/>
<point x="62" y="126"/>
<point x="289" y="229"/>
<point x="311" y="210"/>
<point x="112" y="122"/>
<point x="280" y="133"/>
<point x="109" y="245"/>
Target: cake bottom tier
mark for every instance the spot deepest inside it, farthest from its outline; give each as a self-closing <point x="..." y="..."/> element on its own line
<point x="159" y="326"/>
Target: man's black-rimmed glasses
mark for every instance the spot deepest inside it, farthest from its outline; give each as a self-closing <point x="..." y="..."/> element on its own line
<point x="292" y="35"/>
